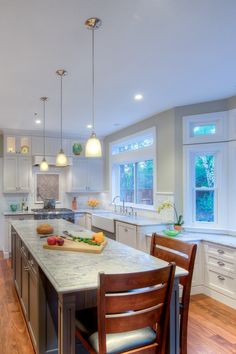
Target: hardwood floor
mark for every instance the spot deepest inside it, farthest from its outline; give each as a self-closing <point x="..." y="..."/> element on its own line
<point x="212" y="325"/>
<point x="14" y="337"/>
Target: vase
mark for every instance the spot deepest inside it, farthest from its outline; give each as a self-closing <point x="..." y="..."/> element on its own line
<point x="178" y="227"/>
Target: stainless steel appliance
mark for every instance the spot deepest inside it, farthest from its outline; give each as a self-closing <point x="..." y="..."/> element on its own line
<point x="54" y="213"/>
<point x="49" y="203"/>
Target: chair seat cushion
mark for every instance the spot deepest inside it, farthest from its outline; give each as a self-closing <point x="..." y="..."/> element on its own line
<point x="86" y="322"/>
<point x="120" y="342"/>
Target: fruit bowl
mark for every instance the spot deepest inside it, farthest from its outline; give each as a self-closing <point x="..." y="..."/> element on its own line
<point x="171" y="233"/>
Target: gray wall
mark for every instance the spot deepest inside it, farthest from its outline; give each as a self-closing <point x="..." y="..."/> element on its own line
<point x="169" y="143"/>
<point x="165" y="128"/>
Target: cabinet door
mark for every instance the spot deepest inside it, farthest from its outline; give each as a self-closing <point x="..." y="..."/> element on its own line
<point x="88" y="224"/>
<point x="18" y="265"/>
<point x="79" y="175"/>
<point x="10" y="174"/>
<point x="95" y="174"/>
<point x="126" y="234"/>
<point x="37" y="145"/>
<point x="80" y="219"/>
<point x="24" y="170"/>
<point x="25" y="285"/>
<point x="53" y="146"/>
<point x="33" y="304"/>
<point x="24" y="145"/>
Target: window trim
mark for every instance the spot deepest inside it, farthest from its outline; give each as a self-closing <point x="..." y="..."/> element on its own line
<point x="219" y="119"/>
<point x="147" y="153"/>
<point x="189" y="152"/>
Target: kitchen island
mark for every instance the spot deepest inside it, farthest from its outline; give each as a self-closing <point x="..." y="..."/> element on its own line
<point x="52" y="285"/>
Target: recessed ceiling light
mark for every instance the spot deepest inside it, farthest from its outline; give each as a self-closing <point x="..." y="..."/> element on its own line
<point x="37" y="121"/>
<point x="89" y="126"/>
<point x="138" y="97"/>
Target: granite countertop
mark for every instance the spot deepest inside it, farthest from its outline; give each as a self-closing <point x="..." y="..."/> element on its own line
<point x="73" y="271"/>
<point x="225" y="240"/>
<point x="18" y="212"/>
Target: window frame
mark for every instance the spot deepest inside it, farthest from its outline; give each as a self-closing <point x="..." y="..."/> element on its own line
<point x="134" y="156"/>
<point x="219" y="150"/>
<point x="219" y="119"/>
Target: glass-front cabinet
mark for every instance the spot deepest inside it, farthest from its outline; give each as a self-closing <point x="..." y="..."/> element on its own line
<point x="17" y="145"/>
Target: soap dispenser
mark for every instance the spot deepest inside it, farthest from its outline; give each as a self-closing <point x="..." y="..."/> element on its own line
<point x="74" y="204"/>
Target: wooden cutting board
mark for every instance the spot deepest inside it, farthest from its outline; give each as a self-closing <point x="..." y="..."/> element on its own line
<point x="76" y="247"/>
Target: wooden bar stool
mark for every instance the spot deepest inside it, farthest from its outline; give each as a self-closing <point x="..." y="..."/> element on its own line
<point x="131" y="315"/>
<point x="183" y="254"/>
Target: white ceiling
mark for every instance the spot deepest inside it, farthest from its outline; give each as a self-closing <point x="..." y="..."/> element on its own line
<point x="174" y="52"/>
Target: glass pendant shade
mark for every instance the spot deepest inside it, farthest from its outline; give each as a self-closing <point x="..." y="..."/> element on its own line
<point x="61" y="160"/>
<point x="43" y="165"/>
<point x="93" y="147"/>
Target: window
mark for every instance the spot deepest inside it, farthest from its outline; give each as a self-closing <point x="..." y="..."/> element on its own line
<point x="208" y="129"/>
<point x="136" y="182"/>
<point x="204" y="193"/>
<point x="142" y="141"/>
<point x="132" y="166"/>
<point x="205" y="185"/>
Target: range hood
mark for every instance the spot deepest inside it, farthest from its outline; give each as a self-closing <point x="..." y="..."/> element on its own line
<point x="51" y="160"/>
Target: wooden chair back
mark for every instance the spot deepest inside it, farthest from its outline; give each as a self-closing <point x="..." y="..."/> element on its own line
<point x="128" y="302"/>
<point x="183" y="254"/>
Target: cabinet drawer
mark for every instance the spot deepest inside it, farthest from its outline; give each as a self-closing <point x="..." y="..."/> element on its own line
<point x="221" y="264"/>
<point x="223" y="252"/>
<point x="127" y="234"/>
<point x="224" y="284"/>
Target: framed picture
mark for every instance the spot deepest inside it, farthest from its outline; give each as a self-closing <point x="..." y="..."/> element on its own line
<point x="47" y="186"/>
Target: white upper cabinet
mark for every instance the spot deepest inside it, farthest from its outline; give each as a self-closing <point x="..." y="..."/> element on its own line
<point x="17" y="145"/>
<point x="16" y="174"/>
<point x="86" y="175"/>
<point x="53" y="146"/>
<point x="37" y="145"/>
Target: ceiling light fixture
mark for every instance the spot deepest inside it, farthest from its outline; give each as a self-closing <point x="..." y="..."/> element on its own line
<point x="61" y="160"/>
<point x="138" y="97"/>
<point x="93" y="146"/>
<point x="37" y="121"/>
<point x="44" y="165"/>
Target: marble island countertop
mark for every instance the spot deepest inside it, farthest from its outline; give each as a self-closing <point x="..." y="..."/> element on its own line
<point x="73" y="271"/>
<point x="220" y="239"/>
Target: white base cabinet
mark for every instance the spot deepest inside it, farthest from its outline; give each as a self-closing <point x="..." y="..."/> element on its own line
<point x="126" y="233"/>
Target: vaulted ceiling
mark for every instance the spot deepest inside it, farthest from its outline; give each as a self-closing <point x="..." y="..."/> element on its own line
<point x="173" y="52"/>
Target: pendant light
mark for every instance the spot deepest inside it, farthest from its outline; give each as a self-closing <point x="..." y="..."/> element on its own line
<point x="61" y="160"/>
<point x="44" y="165"/>
<point x="93" y="146"/>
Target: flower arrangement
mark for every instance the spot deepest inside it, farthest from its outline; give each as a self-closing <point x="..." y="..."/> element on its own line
<point x="179" y="218"/>
<point x="93" y="203"/>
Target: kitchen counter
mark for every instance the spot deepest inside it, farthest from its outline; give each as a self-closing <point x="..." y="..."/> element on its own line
<point x="73" y="271"/>
<point x="225" y="240"/>
<point x="12" y="213"/>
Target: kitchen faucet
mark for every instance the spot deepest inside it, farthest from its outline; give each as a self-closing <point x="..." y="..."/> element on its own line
<point x="114" y="202"/>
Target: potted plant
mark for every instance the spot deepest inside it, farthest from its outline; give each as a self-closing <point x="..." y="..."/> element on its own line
<point x="178" y="225"/>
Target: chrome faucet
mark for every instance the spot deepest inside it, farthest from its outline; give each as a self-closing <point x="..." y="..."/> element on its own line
<point x="114" y="202"/>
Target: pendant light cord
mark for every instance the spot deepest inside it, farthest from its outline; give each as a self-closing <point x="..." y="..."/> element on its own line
<point x="93" y="80"/>
<point x="44" y="138"/>
<point x="61" y="112"/>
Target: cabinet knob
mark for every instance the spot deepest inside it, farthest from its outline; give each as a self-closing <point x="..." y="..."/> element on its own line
<point x="220" y="251"/>
<point x="126" y="230"/>
<point x="220" y="277"/>
<point x="221" y="263"/>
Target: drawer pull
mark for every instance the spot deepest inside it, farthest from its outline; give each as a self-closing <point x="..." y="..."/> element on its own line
<point x="220" y="251"/>
<point x="220" y="277"/>
<point x="22" y="218"/>
<point x="32" y="263"/>
<point x="26" y="268"/>
<point x="221" y="263"/>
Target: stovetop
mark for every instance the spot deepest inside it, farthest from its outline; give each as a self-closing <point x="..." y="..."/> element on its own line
<point x="52" y="211"/>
